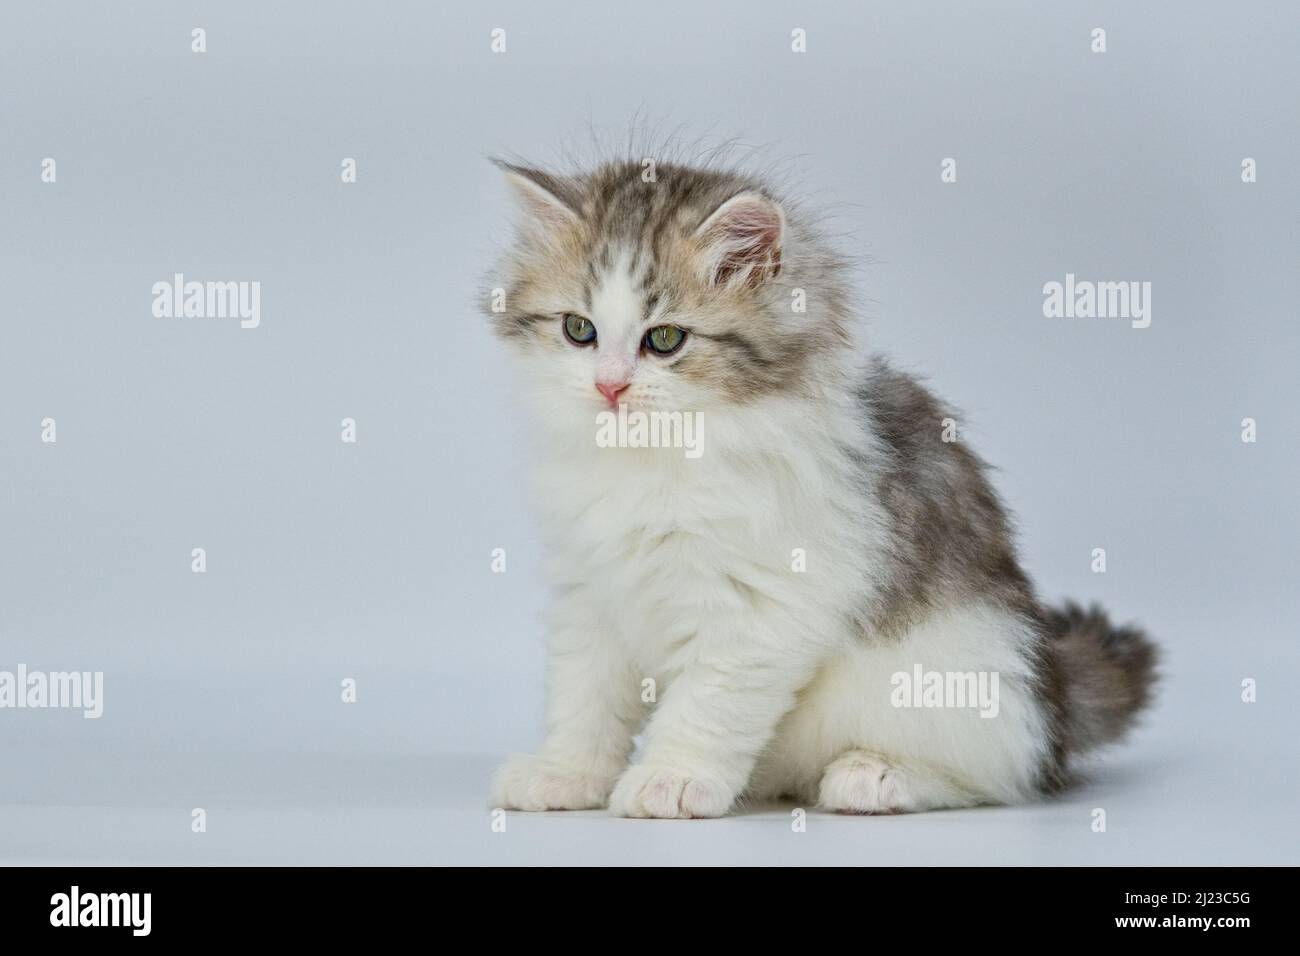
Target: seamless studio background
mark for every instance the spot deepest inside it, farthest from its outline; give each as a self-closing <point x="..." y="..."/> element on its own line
<point x="372" y="560"/>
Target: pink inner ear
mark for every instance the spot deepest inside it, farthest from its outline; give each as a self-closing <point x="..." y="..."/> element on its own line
<point x="746" y="238"/>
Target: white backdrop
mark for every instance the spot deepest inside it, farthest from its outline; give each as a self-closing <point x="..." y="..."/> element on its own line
<point x="371" y="560"/>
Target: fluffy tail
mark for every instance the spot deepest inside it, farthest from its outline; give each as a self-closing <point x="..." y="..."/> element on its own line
<point x="1106" y="675"/>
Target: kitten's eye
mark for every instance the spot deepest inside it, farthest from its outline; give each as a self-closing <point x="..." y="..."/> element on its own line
<point x="665" y="339"/>
<point x="578" y="330"/>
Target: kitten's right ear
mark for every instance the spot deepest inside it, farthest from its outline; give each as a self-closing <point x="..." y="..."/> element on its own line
<point x="545" y="200"/>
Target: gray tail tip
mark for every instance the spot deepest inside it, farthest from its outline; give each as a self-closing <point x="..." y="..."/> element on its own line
<point x="1109" y="673"/>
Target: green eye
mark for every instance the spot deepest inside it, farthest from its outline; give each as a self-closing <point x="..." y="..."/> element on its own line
<point x="665" y="339"/>
<point x="578" y="330"/>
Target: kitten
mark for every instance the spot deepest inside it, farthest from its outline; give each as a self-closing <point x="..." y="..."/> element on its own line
<point x="760" y="613"/>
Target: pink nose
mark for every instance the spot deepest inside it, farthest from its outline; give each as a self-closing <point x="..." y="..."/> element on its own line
<point x="611" y="391"/>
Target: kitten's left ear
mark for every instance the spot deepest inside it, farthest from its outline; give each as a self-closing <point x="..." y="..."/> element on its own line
<point x="546" y="200"/>
<point x="742" y="240"/>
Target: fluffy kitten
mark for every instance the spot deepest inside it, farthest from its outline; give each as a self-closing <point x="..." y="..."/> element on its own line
<point x="826" y="541"/>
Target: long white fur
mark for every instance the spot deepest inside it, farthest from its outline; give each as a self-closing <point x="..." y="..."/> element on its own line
<point x="680" y="570"/>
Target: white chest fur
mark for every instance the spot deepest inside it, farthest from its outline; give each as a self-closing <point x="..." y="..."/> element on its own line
<point x="765" y="523"/>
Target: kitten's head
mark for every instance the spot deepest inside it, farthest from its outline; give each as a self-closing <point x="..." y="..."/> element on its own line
<point x="683" y="290"/>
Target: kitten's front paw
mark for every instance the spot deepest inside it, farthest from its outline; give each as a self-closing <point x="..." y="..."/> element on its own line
<point x="666" y="793"/>
<point x="535" y="782"/>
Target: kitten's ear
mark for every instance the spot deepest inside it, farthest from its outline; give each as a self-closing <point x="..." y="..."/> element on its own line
<point x="742" y="240"/>
<point x="545" y="200"/>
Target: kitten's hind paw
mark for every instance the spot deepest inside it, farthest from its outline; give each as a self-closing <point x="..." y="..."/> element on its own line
<point x="862" y="782"/>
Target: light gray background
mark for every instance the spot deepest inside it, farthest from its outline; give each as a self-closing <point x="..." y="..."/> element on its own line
<point x="371" y="561"/>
